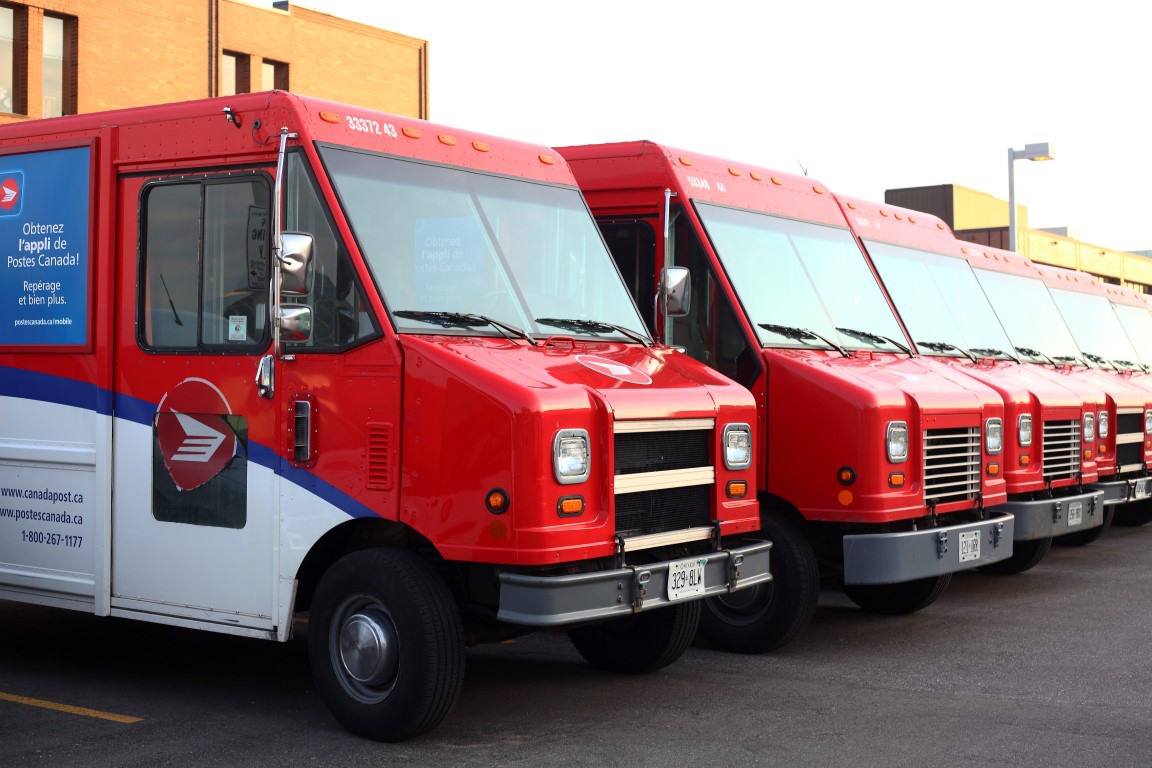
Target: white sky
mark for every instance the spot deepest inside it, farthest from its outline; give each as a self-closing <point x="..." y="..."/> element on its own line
<point x="867" y="95"/>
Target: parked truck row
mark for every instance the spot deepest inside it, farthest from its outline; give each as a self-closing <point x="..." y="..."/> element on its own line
<point x="269" y="358"/>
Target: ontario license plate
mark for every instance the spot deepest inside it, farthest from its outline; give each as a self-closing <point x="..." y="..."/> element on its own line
<point x="1075" y="514"/>
<point x="1142" y="486"/>
<point x="969" y="546"/>
<point x="686" y="578"/>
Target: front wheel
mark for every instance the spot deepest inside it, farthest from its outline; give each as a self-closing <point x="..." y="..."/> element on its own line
<point x="769" y="615"/>
<point x="640" y="643"/>
<point x="1136" y="513"/>
<point x="386" y="644"/>
<point x="900" y="598"/>
<point x="1025" y="555"/>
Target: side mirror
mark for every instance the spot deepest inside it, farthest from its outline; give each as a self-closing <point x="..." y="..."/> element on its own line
<point x="675" y="297"/>
<point x="295" y="322"/>
<point x="295" y="264"/>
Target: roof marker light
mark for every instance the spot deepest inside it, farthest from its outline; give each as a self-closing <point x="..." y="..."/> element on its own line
<point x="547" y="159"/>
<point x="480" y="146"/>
<point x="734" y="171"/>
<point x="817" y="190"/>
<point x="777" y="181"/>
<point x="447" y="140"/>
<point x="685" y="161"/>
<point x="330" y="117"/>
<point x="851" y="205"/>
<point x="412" y="133"/>
<point x="756" y="176"/>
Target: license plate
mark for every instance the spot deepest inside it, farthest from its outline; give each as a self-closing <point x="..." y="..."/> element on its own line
<point x="685" y="578"/>
<point x="1141" y="491"/>
<point x="1075" y="514"/>
<point x="969" y="546"/>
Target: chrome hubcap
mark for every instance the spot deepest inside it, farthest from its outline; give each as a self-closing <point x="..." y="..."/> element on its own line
<point x="368" y="649"/>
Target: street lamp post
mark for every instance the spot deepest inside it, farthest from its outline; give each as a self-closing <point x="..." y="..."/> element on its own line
<point x="1030" y="152"/>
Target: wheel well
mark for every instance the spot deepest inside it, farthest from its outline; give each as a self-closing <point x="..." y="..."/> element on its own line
<point x="357" y="534"/>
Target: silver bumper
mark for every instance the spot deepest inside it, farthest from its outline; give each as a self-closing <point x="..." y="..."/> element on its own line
<point x="1124" y="491"/>
<point x="551" y="601"/>
<point x="1042" y="519"/>
<point x="888" y="558"/>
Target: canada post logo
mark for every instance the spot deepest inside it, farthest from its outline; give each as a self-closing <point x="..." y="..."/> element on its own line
<point x="11" y="193"/>
<point x="614" y="369"/>
<point x="196" y="441"/>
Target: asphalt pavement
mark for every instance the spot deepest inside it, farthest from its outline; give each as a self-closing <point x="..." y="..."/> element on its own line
<point x="1049" y="668"/>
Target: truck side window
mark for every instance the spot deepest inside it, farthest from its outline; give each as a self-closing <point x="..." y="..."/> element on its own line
<point x="711" y="331"/>
<point x="340" y="314"/>
<point x="633" y="247"/>
<point x="205" y="257"/>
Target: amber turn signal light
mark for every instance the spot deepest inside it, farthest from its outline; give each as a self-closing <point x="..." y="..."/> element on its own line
<point x="737" y="489"/>
<point x="1087" y="453"/>
<point x="497" y="501"/>
<point x="846" y="475"/>
<point x="896" y="480"/>
<point x="993" y="469"/>
<point x="570" y="506"/>
<point x="1025" y="460"/>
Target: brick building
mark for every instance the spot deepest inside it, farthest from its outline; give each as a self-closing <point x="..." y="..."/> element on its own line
<point x="68" y="56"/>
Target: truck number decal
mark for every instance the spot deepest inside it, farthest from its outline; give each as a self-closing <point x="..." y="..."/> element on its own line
<point x="371" y="126"/>
<point x="698" y="183"/>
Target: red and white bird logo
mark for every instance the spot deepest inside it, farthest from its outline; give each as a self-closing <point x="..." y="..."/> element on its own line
<point x="9" y="193"/>
<point x="196" y="441"/>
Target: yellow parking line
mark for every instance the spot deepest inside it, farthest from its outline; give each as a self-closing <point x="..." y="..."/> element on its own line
<point x="69" y="709"/>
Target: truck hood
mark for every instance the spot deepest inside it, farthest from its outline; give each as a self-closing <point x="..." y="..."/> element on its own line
<point x="633" y="382"/>
<point x="1020" y="382"/>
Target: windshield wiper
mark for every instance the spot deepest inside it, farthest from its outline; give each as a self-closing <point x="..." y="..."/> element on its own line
<point x="875" y="338"/>
<point x="1100" y="361"/>
<point x="463" y="320"/>
<point x="1034" y="353"/>
<point x="802" y="334"/>
<point x="993" y="352"/>
<point x="943" y="346"/>
<point x="593" y="326"/>
<point x="1069" y="360"/>
<point x="1133" y="366"/>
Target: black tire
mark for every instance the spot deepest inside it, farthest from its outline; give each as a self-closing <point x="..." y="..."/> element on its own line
<point x="1025" y="555"/>
<point x="898" y="599"/>
<point x="1136" y="513"/>
<point x="640" y="643"/>
<point x="374" y="599"/>
<point x="770" y="615"/>
<point x="1080" y="538"/>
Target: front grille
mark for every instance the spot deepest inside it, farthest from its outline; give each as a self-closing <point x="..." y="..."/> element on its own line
<point x="951" y="464"/>
<point x="1061" y="449"/>
<point x="1130" y="423"/>
<point x="664" y="478"/>
<point x="659" y="451"/>
<point x="1130" y="454"/>
<point x="668" y="509"/>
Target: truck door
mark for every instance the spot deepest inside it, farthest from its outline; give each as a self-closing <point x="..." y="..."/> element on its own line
<point x="195" y="508"/>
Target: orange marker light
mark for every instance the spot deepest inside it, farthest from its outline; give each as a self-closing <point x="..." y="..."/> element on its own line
<point x="993" y="469"/>
<point x="884" y="213"/>
<point x="846" y="475"/>
<point x="497" y="501"/>
<point x="896" y="480"/>
<point x="734" y="171"/>
<point x="817" y="190"/>
<point x="737" y="489"/>
<point x="447" y="140"/>
<point x="330" y="117"/>
<point x="685" y="161"/>
<point x="899" y="217"/>
<point x="1087" y="453"/>
<point x="851" y="205"/>
<point x="756" y="176"/>
<point x="570" y="506"/>
<point x="912" y="219"/>
<point x="845" y="498"/>
<point x="547" y="159"/>
<point x="412" y="133"/>
<point x="1025" y="460"/>
<point x="777" y="180"/>
<point x="480" y="146"/>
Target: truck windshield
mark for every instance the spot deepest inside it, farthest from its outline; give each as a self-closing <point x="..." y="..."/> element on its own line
<point x="445" y="245"/>
<point x="1030" y="317"/>
<point x="941" y="302"/>
<point x="1137" y="321"/>
<point x="1096" y="329"/>
<point x="802" y="284"/>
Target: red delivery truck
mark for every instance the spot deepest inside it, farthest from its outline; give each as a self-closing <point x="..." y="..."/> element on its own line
<point x="874" y="464"/>
<point x="952" y="324"/>
<point x="266" y="354"/>
<point x="1026" y="308"/>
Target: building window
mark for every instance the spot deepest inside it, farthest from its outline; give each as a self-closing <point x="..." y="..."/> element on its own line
<point x="13" y="60"/>
<point x="234" y="74"/>
<point x="274" y="76"/>
<point x="59" y="66"/>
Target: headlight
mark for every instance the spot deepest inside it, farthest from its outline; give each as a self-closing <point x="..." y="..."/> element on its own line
<point x="737" y="446"/>
<point x="1148" y="422"/>
<point x="1024" y="429"/>
<point x="897" y="441"/>
<point x="1089" y="427"/>
<point x="1102" y="424"/>
<point x="993" y="436"/>
<point x="570" y="456"/>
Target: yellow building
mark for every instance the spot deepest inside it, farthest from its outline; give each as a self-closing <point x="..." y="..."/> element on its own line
<point x="978" y="217"/>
